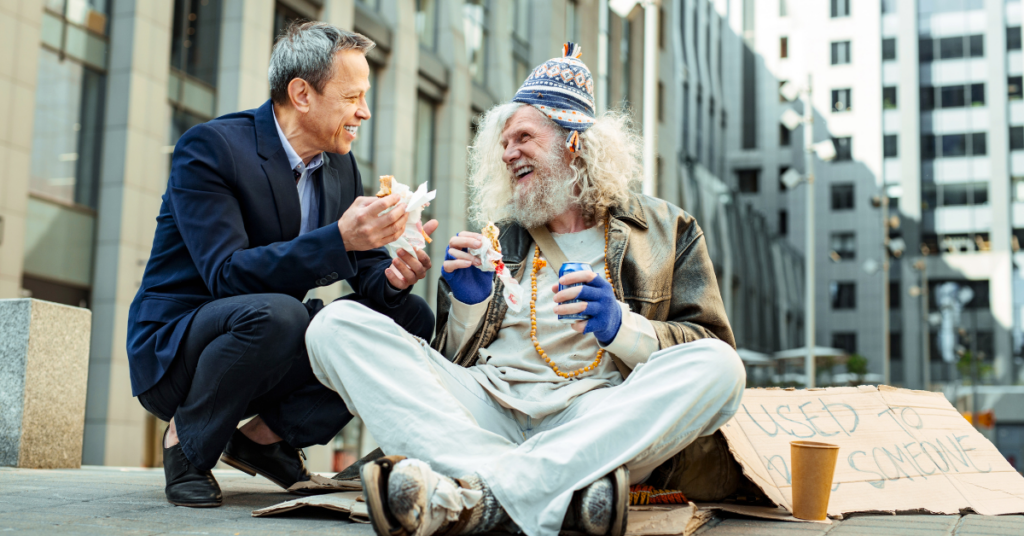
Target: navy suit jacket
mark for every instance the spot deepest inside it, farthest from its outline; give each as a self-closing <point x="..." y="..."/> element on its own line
<point x="229" y="225"/>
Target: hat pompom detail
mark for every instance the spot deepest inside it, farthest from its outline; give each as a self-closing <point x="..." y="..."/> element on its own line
<point x="572" y="50"/>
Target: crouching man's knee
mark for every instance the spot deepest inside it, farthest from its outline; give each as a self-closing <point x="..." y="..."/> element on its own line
<point x="331" y="333"/>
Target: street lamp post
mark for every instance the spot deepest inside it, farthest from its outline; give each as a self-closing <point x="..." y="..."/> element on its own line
<point x="826" y="151"/>
<point x="809" y="319"/>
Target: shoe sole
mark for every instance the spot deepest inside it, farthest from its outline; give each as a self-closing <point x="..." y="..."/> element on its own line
<point x="374" y="476"/>
<point x="253" y="471"/>
<point x="196" y="505"/>
<point x="620" y="483"/>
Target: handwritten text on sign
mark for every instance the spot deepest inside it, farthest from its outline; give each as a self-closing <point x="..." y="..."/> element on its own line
<point x="899" y="450"/>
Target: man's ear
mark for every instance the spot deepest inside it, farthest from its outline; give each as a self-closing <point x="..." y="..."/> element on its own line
<point x="298" y="94"/>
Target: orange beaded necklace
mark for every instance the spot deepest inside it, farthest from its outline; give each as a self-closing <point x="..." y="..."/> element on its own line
<point x="539" y="263"/>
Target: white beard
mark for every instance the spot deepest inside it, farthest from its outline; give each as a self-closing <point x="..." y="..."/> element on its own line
<point x="549" y="193"/>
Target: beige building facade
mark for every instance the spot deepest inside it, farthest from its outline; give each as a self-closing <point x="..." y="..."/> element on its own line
<point x="95" y="93"/>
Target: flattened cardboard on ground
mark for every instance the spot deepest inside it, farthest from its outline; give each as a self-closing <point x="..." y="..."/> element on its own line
<point x="346" y="502"/>
<point x="900" y="450"/>
<point x="676" y="520"/>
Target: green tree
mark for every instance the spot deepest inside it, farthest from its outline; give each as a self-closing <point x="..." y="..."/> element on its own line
<point x="857" y="365"/>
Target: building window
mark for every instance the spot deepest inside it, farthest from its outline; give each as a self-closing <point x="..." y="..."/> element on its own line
<point x="951" y="48"/>
<point x="926" y="50"/>
<point x="843" y="294"/>
<point x="890" y="147"/>
<point x="69" y="102"/>
<point x="843" y="246"/>
<point x="927" y="98"/>
<point x="952" y="96"/>
<point x="571" y="21"/>
<point x="195" y="47"/>
<point x="521" y="40"/>
<point x="783" y="47"/>
<point x="372" y="4"/>
<point x="1016" y="138"/>
<point x="474" y="21"/>
<point x="895" y="298"/>
<point x="841" y="100"/>
<point x="661" y="102"/>
<point x="1013" y="38"/>
<point x="1014" y="89"/>
<point x="976" y="44"/>
<point x="979" y="144"/>
<point x="841" y="53"/>
<point x="842" y="196"/>
<point x="889" y="6"/>
<point x="748" y="180"/>
<point x="784" y="136"/>
<point x="363" y="147"/>
<point x="840" y="8"/>
<point x="426" y="22"/>
<point x="844" y="148"/>
<point x="783" y="223"/>
<point x="845" y="341"/>
<point x="954" y="145"/>
<point x="284" y="16"/>
<point x="977" y="94"/>
<point x="889" y="98"/>
<point x="928" y="151"/>
<point x="424" y="148"/>
<point x="889" y="48"/>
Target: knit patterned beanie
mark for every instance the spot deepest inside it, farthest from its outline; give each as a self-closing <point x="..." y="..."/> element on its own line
<point x="563" y="90"/>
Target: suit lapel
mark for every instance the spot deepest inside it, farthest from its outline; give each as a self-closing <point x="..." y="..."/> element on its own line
<point x="279" y="173"/>
<point x="330" y="188"/>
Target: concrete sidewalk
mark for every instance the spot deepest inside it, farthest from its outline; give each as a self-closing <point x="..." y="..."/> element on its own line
<point x="111" y="500"/>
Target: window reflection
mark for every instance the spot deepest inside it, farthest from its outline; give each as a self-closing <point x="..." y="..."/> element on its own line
<point x="426" y="22"/>
<point x="474" y="14"/>
<point x="70" y="92"/>
<point x="362" y="147"/>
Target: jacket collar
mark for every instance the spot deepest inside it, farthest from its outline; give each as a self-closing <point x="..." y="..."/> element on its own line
<point x="268" y="142"/>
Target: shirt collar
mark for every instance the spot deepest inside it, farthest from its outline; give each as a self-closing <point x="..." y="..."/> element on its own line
<point x="293" y="158"/>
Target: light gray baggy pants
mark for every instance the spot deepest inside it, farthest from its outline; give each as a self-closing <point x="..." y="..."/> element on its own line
<point x="418" y="404"/>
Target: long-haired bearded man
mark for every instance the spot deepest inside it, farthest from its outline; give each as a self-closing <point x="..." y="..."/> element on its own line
<point x="513" y="416"/>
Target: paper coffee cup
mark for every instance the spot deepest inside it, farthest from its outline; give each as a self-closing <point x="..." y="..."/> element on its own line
<point x="813" y="465"/>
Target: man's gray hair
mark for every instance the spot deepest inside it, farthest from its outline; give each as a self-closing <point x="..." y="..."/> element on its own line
<point x="306" y="50"/>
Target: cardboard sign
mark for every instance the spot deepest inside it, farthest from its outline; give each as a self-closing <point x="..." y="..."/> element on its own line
<point x="899" y="450"/>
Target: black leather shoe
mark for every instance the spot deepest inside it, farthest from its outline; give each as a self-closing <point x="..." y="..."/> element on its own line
<point x="186" y="484"/>
<point x="278" y="462"/>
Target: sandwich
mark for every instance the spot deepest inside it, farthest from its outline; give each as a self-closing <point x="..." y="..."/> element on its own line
<point x="490" y="232"/>
<point x="385" y="185"/>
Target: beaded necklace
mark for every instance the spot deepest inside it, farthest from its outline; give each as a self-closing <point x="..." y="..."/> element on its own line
<point x="539" y="263"/>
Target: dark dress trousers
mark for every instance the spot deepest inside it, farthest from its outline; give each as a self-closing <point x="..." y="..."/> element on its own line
<point x="216" y="330"/>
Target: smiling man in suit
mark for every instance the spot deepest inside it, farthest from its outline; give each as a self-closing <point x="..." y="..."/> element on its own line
<point x="262" y="206"/>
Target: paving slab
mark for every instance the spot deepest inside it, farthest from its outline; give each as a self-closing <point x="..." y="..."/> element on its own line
<point x="120" y="501"/>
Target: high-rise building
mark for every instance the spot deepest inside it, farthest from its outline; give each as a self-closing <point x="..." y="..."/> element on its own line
<point x="922" y="100"/>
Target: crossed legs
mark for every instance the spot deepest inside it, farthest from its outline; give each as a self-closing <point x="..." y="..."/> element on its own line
<point x="418" y="404"/>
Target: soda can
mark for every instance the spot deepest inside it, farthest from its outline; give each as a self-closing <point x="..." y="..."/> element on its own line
<point x="569" y="268"/>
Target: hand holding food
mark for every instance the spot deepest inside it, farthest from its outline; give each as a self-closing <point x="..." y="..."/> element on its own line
<point x="469" y="286"/>
<point x="413" y="238"/>
<point x="406" y="269"/>
<point x="364" y="227"/>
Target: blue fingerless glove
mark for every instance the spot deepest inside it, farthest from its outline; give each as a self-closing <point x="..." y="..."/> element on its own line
<point x="469" y="285"/>
<point x="604" y="310"/>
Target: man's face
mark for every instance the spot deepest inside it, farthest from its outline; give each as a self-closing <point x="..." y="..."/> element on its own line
<point x="335" y="114"/>
<point x="538" y="166"/>
<point x="528" y="140"/>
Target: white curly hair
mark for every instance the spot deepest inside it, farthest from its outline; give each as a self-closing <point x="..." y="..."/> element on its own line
<point x="605" y="169"/>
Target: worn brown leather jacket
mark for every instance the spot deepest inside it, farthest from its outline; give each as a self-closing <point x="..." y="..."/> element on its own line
<point x="659" y="265"/>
